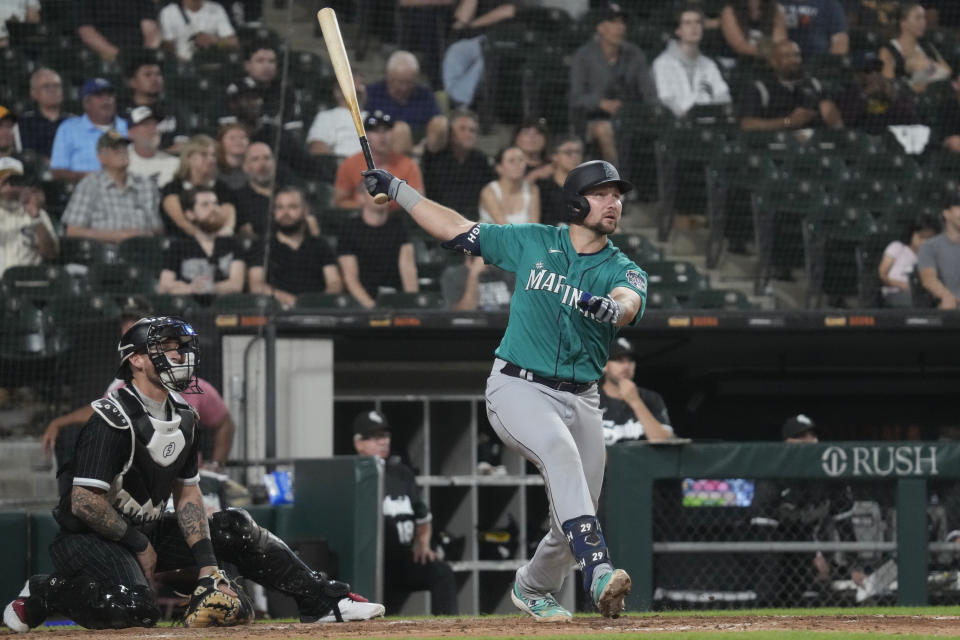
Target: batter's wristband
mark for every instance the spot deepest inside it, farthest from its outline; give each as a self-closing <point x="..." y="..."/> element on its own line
<point x="407" y="197"/>
<point x="203" y="553"/>
<point x="134" y="540"/>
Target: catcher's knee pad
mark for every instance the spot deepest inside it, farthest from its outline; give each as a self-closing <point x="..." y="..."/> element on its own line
<point x="97" y="606"/>
<point x="586" y="542"/>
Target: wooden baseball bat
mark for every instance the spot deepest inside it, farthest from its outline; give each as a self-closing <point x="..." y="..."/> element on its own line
<point x="327" y="18"/>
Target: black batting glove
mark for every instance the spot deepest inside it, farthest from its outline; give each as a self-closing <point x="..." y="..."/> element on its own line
<point x="602" y="309"/>
<point x="381" y="181"/>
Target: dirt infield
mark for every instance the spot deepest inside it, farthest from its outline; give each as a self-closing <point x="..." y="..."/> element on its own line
<point x="522" y="626"/>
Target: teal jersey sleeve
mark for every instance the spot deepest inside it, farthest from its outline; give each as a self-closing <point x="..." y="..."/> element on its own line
<point x="502" y="244"/>
<point x="628" y="275"/>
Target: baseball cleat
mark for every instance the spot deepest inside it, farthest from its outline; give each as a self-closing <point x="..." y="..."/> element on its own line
<point x="15" y="613"/>
<point x="543" y="609"/>
<point x="353" y="608"/>
<point x="609" y="592"/>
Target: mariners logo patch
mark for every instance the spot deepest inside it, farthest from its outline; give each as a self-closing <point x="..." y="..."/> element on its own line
<point x="638" y="280"/>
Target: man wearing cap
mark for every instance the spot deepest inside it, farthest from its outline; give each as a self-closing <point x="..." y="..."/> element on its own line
<point x="379" y="127"/>
<point x="260" y="67"/>
<point x="938" y="261"/>
<point x="75" y="151"/>
<point x="27" y="236"/>
<point x="605" y="74"/>
<point x="112" y="204"/>
<point x="146" y="158"/>
<point x="144" y="78"/>
<point x="630" y="412"/>
<point x="39" y="125"/>
<point x="410" y="564"/>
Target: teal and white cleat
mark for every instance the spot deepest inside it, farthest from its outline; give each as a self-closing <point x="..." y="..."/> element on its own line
<point x="543" y="609"/>
<point x="609" y="592"/>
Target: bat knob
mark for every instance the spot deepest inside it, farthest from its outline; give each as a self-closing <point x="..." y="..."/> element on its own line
<point x="381" y="198"/>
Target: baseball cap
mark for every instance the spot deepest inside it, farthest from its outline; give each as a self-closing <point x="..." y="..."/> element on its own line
<point x="6" y="114"/>
<point x="953" y="199"/>
<point x="369" y="424"/>
<point x="140" y="114"/>
<point x="245" y="85"/>
<point x="10" y="165"/>
<point x="112" y="139"/>
<point x="540" y="124"/>
<point x="94" y="86"/>
<point x="378" y="119"/>
<point x="611" y="11"/>
<point x="796" y="425"/>
<point x="621" y="347"/>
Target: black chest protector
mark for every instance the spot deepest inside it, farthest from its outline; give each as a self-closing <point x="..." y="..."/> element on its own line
<point x="160" y="449"/>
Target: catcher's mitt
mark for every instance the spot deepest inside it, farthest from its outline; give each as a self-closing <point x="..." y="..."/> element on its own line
<point x="210" y="607"/>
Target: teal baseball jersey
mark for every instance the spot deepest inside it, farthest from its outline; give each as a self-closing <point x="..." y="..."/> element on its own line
<point x="547" y="333"/>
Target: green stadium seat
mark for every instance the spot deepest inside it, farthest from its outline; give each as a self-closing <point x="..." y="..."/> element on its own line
<point x="830" y="239"/>
<point x="325" y="301"/>
<point x="43" y="282"/>
<point x="637" y="247"/>
<point x="719" y="299"/>
<point x="173" y="305"/>
<point x="848" y="144"/>
<point x="29" y="333"/>
<point x="662" y="300"/>
<point x="65" y="309"/>
<point x="421" y="301"/>
<point x="145" y="252"/>
<point x="679" y="278"/>
<point x="85" y="251"/>
<point x="808" y="164"/>
<point x="122" y="279"/>
<point x="245" y="302"/>
<point x="868" y="255"/>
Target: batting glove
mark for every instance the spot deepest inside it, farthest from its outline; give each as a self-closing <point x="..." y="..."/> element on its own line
<point x="602" y="309"/>
<point x="381" y="181"/>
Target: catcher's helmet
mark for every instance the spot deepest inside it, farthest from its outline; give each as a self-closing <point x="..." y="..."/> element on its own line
<point x="585" y="176"/>
<point x="147" y="336"/>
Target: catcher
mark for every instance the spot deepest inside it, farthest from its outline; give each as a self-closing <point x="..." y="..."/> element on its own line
<point x="138" y="449"/>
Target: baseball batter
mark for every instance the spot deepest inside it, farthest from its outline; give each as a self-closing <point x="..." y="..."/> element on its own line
<point x="574" y="291"/>
<point x="138" y="449"/>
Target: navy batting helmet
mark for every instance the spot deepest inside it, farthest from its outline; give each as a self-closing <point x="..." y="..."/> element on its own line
<point x="148" y="335"/>
<point x="586" y="176"/>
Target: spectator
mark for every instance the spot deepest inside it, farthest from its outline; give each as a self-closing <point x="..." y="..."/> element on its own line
<point x="375" y="253"/>
<point x="683" y="75"/>
<point x="39" y="126"/>
<point x="410" y="564"/>
<point x="297" y="262"/>
<point x="949" y="120"/>
<point x="630" y="412"/>
<point x="333" y="131"/>
<point x="399" y="96"/>
<point x="567" y="154"/>
<point x="476" y="286"/>
<point x="209" y="262"/>
<point x="211" y="409"/>
<point x="8" y="136"/>
<point x="260" y="66"/>
<point x="787" y="98"/>
<point x="910" y="58"/>
<point x="146" y="158"/>
<point x="253" y="199"/>
<point x="75" y="145"/>
<point x="510" y="199"/>
<point x="112" y="205"/>
<point x="463" y="61"/>
<point x="145" y="80"/>
<point x="189" y="25"/>
<point x="531" y="138"/>
<point x="110" y="26"/>
<point x="871" y="13"/>
<point x="14" y="12"/>
<point x="421" y="25"/>
<point x="939" y="259"/>
<point x="245" y="12"/>
<point x="900" y="259"/>
<point x="198" y="168"/>
<point x="750" y="28"/>
<point x="454" y="175"/>
<point x="27" y="236"/>
<point x="605" y="74"/>
<point x="874" y="102"/>
<point x="379" y="127"/>
<point x="233" y="141"/>
<point x="818" y="26"/>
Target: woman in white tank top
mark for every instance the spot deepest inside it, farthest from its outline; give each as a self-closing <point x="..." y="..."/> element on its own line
<point x="510" y="199"/>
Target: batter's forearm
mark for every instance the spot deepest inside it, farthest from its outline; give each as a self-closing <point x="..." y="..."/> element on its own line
<point x="95" y="512"/>
<point x="630" y="304"/>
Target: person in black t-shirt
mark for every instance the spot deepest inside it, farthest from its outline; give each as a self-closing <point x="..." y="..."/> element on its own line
<point x="261" y="69"/>
<point x="111" y="26"/>
<point x="253" y="198"/>
<point x="630" y="412"/>
<point x="567" y="154"/>
<point x="410" y="564"/>
<point x="375" y="253"/>
<point x="39" y="126"/>
<point x="298" y="262"/>
<point x="198" y="167"/>
<point x="207" y="263"/>
<point x="875" y="102"/>
<point x="455" y="175"/>
<point x="144" y="78"/>
<point x="787" y="98"/>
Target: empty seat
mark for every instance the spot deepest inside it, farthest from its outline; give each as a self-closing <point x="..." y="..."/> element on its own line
<point x="145" y="252"/>
<point x="637" y="247"/>
<point x="675" y="277"/>
<point x="244" y="302"/>
<point x="65" y="309"/>
<point x="42" y="282"/>
<point x="122" y="279"/>
<point x="719" y="299"/>
<point x="173" y="305"/>
<point x="421" y="300"/>
<point x="326" y="301"/>
<point x="85" y="251"/>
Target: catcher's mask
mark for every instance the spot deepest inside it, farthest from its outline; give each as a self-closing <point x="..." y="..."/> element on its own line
<point x="586" y="176"/>
<point x="148" y="336"/>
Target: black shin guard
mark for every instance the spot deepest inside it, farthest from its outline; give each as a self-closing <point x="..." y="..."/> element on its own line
<point x="92" y="605"/>
<point x="264" y="558"/>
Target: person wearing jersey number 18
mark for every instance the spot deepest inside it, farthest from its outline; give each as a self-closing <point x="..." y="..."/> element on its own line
<point x="574" y="291"/>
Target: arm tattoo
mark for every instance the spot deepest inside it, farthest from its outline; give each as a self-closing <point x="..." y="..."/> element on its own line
<point x="97" y="513"/>
<point x="193" y="521"/>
